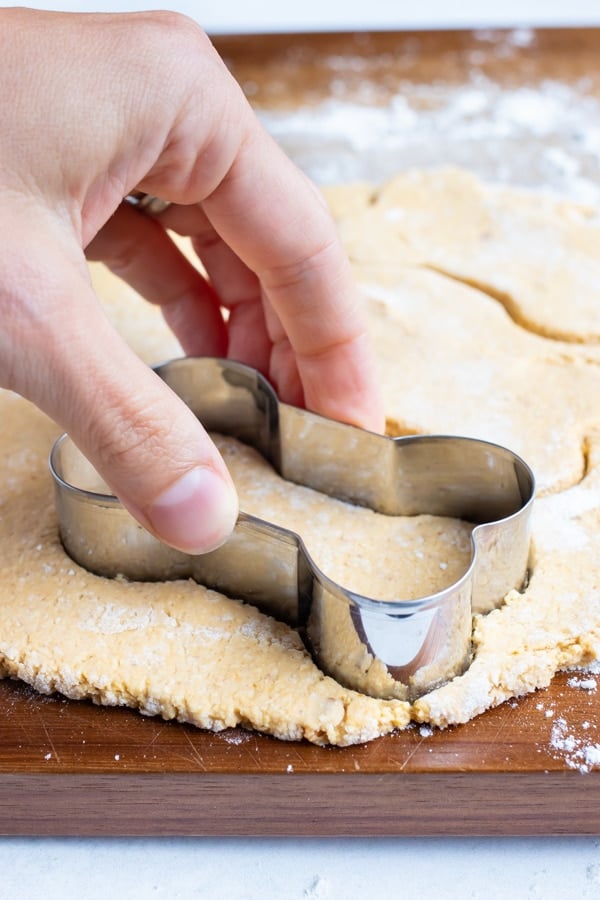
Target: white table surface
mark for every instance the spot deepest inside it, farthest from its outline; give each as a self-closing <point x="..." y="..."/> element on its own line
<point x="237" y="869"/>
<point x="392" y="869"/>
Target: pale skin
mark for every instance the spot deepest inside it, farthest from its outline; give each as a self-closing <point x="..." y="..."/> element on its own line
<point x="96" y="106"/>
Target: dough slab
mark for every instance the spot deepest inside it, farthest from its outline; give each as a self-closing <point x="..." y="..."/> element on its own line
<point x="484" y="305"/>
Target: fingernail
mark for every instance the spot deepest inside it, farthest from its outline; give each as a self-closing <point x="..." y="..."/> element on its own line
<point x="195" y="514"/>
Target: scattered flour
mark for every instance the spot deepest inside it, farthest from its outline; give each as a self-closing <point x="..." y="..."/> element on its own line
<point x="570" y="743"/>
<point x="586" y="684"/>
<point x="592" y="668"/>
<point x="576" y="753"/>
<point x="236" y="736"/>
<point x="544" y="136"/>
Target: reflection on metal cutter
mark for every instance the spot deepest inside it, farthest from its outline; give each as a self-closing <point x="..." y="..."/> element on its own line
<point x="399" y="648"/>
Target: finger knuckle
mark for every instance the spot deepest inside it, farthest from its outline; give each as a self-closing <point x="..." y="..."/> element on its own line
<point x="301" y="270"/>
<point x="168" y="29"/>
<point x="132" y="440"/>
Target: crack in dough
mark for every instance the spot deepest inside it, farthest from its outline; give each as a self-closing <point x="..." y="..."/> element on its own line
<point x="505" y="300"/>
<point x="453" y="362"/>
<point x="527" y="250"/>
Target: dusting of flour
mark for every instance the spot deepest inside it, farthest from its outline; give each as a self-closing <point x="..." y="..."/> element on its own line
<point x="545" y="137"/>
<point x="577" y="745"/>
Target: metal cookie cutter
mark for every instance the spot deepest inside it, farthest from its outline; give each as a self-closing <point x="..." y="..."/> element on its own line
<point x="399" y="648"/>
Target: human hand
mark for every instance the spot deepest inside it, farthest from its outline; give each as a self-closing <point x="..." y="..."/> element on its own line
<point x="95" y="106"/>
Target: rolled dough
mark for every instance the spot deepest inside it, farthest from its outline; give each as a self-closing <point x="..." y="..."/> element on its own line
<point x="484" y="305"/>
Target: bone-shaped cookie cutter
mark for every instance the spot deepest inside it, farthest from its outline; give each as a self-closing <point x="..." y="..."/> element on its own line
<point x="399" y="648"/>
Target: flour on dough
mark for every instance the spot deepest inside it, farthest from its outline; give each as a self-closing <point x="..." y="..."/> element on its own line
<point x="484" y="308"/>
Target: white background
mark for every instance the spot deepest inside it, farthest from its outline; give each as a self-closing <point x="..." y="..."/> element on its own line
<point x="223" y="16"/>
<point x="470" y="869"/>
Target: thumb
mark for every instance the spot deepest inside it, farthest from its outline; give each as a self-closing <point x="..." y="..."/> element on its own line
<point x="154" y="454"/>
<point x="147" y="445"/>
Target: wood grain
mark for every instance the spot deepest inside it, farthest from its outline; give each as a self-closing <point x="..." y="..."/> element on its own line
<point x="75" y="769"/>
<point x="305" y="806"/>
<point x="285" y="71"/>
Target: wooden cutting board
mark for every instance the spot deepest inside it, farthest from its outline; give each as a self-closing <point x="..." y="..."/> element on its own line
<point x="527" y="767"/>
<point x="71" y="768"/>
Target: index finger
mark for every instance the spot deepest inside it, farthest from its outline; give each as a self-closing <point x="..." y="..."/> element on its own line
<point x="273" y="218"/>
